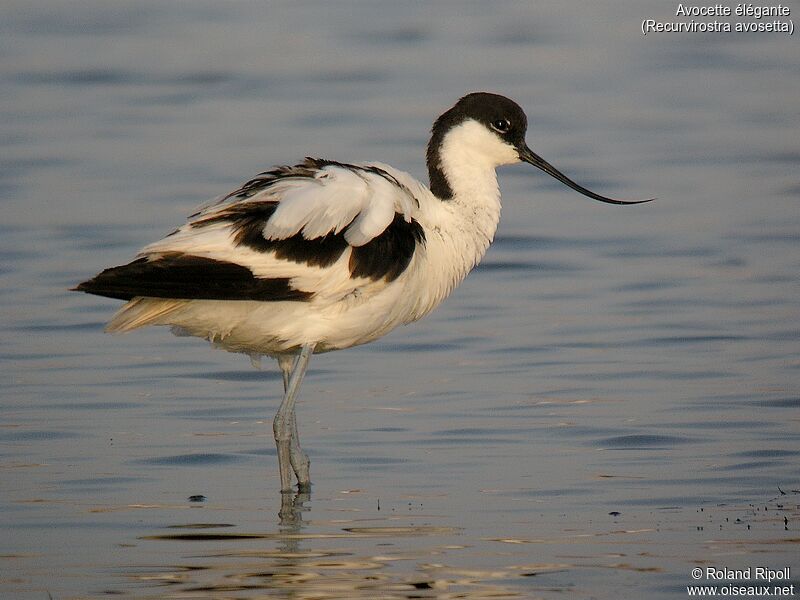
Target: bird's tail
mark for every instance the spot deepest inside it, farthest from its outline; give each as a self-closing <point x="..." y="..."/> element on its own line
<point x="143" y="311"/>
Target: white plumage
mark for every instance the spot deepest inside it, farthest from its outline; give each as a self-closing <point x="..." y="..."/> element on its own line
<point x="344" y="310"/>
<point x="322" y="255"/>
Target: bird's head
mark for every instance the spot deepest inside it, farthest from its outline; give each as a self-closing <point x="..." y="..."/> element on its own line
<point x="489" y="130"/>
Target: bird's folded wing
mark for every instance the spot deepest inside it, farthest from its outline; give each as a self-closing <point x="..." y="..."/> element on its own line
<point x="317" y="198"/>
<point x="311" y="231"/>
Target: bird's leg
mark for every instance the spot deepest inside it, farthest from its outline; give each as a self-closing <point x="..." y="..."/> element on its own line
<point x="299" y="460"/>
<point x="290" y="455"/>
<point x="297" y="457"/>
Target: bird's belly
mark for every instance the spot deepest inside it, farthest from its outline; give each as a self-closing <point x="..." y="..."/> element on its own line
<point x="273" y="328"/>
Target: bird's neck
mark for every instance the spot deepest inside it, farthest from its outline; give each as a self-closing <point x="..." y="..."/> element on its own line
<point x="462" y="226"/>
<point x="476" y="200"/>
<point x="458" y="232"/>
<point x="463" y="176"/>
<point x="461" y="167"/>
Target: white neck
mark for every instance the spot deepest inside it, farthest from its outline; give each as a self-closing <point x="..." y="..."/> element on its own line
<point x="459" y="229"/>
<point x="469" y="155"/>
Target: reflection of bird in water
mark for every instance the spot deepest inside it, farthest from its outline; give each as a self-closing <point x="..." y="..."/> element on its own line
<point x="324" y="255"/>
<point x="291" y="516"/>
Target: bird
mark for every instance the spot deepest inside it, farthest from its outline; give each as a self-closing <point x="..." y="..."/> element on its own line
<point x="322" y="255"/>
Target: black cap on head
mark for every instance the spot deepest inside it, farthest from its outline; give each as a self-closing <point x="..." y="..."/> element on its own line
<point x="498" y="113"/>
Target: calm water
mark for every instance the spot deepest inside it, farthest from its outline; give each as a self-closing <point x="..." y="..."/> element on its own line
<point x="609" y="401"/>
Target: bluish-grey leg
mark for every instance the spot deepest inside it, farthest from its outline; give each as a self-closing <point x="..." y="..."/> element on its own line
<point x="297" y="457"/>
<point x="290" y="455"/>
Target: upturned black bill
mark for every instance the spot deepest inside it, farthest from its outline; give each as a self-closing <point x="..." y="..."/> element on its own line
<point x="527" y="155"/>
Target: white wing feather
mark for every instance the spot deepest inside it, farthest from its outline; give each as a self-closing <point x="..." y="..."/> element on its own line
<point x="362" y="203"/>
<point x="325" y="204"/>
<point x="405" y="203"/>
<point x="352" y="198"/>
<point x="379" y="212"/>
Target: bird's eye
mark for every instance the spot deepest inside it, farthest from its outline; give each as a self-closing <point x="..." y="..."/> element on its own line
<point x="501" y="125"/>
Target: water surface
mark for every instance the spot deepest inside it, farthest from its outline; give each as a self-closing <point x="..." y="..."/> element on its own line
<point x="609" y="401"/>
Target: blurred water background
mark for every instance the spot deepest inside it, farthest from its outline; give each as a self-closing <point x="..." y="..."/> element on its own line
<point x="609" y="400"/>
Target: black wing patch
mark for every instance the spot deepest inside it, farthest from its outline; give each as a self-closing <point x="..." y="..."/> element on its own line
<point x="389" y="254"/>
<point x="182" y="276"/>
<point x="247" y="222"/>
<point x="386" y="256"/>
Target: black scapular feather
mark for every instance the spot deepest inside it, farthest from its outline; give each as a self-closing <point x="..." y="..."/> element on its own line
<point x="182" y="276"/>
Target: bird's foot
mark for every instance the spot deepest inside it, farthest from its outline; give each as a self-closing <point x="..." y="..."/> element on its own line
<point x="300" y="465"/>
